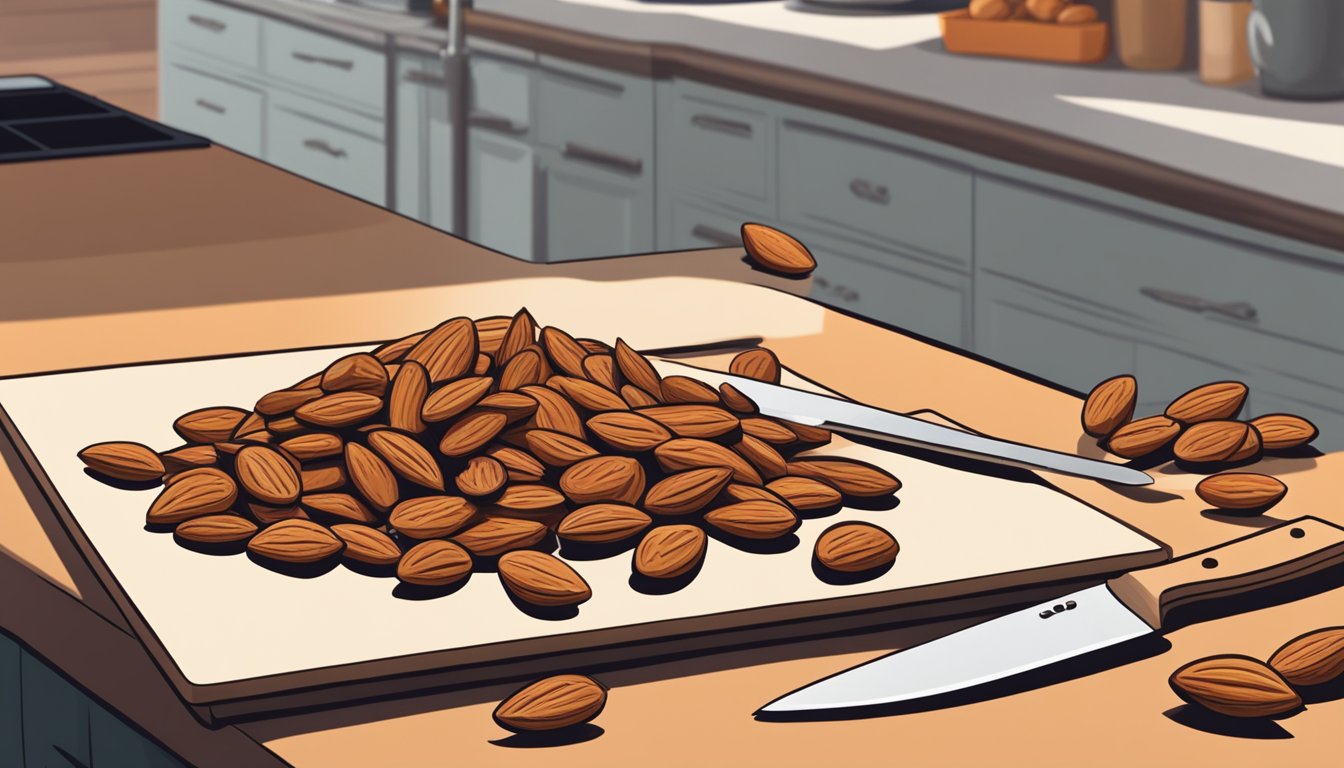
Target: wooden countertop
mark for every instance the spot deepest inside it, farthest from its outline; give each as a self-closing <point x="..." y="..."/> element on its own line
<point x="179" y="263"/>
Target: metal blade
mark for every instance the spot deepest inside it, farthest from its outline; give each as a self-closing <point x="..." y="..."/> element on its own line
<point x="996" y="649"/>
<point x="857" y="419"/>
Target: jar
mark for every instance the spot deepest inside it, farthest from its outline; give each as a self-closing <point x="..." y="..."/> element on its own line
<point x="1150" y="34"/>
<point x="1224" y="54"/>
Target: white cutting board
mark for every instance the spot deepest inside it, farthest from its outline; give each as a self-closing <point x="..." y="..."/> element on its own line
<point x="222" y="620"/>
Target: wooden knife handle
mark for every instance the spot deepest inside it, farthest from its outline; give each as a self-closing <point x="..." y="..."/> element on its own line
<point x="1275" y="555"/>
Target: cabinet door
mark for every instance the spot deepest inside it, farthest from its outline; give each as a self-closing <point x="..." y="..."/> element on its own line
<point x="424" y="141"/>
<point x="700" y="225"/>
<point x="11" y="702"/>
<point x="327" y="146"/>
<point x="590" y="210"/>
<point x="55" y="718"/>
<point x="225" y="112"/>
<point x="500" y="180"/>
<point x="117" y="745"/>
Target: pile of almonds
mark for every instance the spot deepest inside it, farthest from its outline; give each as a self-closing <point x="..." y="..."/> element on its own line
<point x="1048" y="11"/>
<point x="1240" y="686"/>
<point x="1201" y="430"/>
<point x="480" y="442"/>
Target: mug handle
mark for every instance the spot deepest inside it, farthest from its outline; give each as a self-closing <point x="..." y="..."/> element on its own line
<point x="1257" y="28"/>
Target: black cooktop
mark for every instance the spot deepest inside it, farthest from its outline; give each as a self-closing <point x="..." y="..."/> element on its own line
<point x="41" y="120"/>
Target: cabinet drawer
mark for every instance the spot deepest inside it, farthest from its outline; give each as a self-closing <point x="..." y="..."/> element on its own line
<point x="595" y="116"/>
<point x="719" y="149"/>
<point x="1147" y="270"/>
<point x="224" y="112"/>
<point x="55" y="717"/>
<point x="861" y="187"/>
<point x="11" y="702"/>
<point x="903" y="293"/>
<point x="339" y="68"/>
<point x="501" y="192"/>
<point x="693" y="226"/>
<point x="211" y="29"/>
<point x="588" y="214"/>
<point x="500" y="94"/>
<point x="326" y="153"/>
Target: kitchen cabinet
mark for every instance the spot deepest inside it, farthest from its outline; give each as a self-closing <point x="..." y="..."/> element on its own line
<point x="226" y="112"/>
<point x="501" y="193"/>
<point x="211" y="29"/>
<point x="423" y="142"/>
<point x="591" y="204"/>
<point x="328" y="145"/>
<point x="55" y="718"/>
<point x="719" y="145"/>
<point x="11" y="702"/>
<point x="320" y="64"/>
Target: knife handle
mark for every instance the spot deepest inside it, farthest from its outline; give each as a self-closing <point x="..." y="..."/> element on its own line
<point x="1293" y="550"/>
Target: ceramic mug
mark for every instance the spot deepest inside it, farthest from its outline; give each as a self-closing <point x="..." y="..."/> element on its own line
<point x="1298" y="47"/>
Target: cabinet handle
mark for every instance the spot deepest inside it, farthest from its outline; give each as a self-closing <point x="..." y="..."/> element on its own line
<point x="496" y="123"/>
<point x="321" y="145"/>
<point x="308" y="58"/>
<point x="205" y="22"/>
<point x="425" y="78"/>
<point x="603" y="158"/>
<point x="873" y="193"/>
<point x="715" y="235"/>
<point x="722" y="125"/>
<point x="211" y="106"/>
<point x="842" y="292"/>
<point x="1237" y="310"/>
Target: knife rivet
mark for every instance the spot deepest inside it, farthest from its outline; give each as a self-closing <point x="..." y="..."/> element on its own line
<point x="1296" y="533"/>
<point x="1047" y="613"/>
<point x="1059" y="609"/>
<point x="1209" y="562"/>
<point x="1069" y="606"/>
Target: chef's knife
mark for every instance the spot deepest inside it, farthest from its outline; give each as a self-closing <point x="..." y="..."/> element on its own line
<point x="853" y="418"/>
<point x="1125" y="608"/>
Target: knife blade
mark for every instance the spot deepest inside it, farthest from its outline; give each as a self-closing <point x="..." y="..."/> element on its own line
<point x="1122" y="609"/>
<point x="848" y="417"/>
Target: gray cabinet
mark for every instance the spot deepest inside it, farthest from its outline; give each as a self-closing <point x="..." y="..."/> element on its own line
<point x="227" y="112"/>
<point x="211" y="29"/>
<point x="11" y="702"/>
<point x="592" y="205"/>
<point x="327" y="145"/>
<point x="501" y="193"/>
<point x="55" y="718"/>
<point x="424" y="141"/>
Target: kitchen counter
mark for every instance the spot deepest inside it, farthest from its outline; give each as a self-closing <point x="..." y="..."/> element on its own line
<point x="164" y="269"/>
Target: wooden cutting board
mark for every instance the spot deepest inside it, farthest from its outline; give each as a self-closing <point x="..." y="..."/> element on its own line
<point x="237" y="640"/>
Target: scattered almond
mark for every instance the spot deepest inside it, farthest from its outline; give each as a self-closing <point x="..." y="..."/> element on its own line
<point x="1315" y="658"/>
<point x="295" y="541"/>
<point x="1142" y="437"/>
<point x="670" y="551"/>
<point x="1212" y="442"/>
<point x="216" y="529"/>
<point x="1283" y="431"/>
<point x="776" y="251"/>
<point x="856" y="547"/>
<point x="209" y="425"/>
<point x="366" y="545"/>
<point x="759" y="363"/>
<point x="436" y="563"/>
<point x="1241" y="490"/>
<point x="541" y="579"/>
<point x="753" y="519"/>
<point x="1218" y="401"/>
<point x="193" y="493"/>
<point x="555" y="702"/>
<point x="1236" y="686"/>
<point x="1109" y="406"/>
<point x="123" y="461"/>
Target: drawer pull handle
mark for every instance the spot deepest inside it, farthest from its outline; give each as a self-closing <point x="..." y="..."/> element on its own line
<point x="345" y="64"/>
<point x="496" y="123"/>
<point x="425" y="78"/>
<point x="873" y="193"/>
<point x="715" y="235"/>
<point x="321" y="145"/>
<point x="722" y="125"/>
<point x="603" y="158"/>
<point x="211" y="106"/>
<point x="205" y="22"/>
<point x="843" y="292"/>
<point x="1237" y="310"/>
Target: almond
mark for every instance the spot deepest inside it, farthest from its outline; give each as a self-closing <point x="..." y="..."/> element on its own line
<point x="762" y="456"/>
<point x="394" y="351"/>
<point x="1315" y="658"/>
<point x="514" y="405"/>
<point x="753" y="519"/>
<point x="1241" y="490"/>
<point x="554" y="412"/>
<point x="604" y="478"/>
<point x="371" y="476"/>
<point x="367" y="545"/>
<point x="267" y="515"/>
<point x="188" y="457"/>
<point x="498" y="535"/>
<point x="555" y="702"/>
<point x="636" y="397"/>
<point x="490" y="333"/>
<point x="360" y="372"/>
<point x="285" y="425"/>
<point x="455" y="398"/>
<point x="123" y="461"/>
<point x="522" y="466"/>
<point x="805" y="493"/>
<point x="698" y="421"/>
<point x="542" y="579"/>
<point x="628" y="431"/>
<point x="483" y="476"/>
<point x="251" y="426"/>
<point x="735" y="400"/>
<point x="339" y="505"/>
<point x="522" y="370"/>
<point x="267" y="475"/>
<point x="589" y="396"/>
<point x="808" y="434"/>
<point x="448" y="351"/>
<point x="216" y="529"/>
<point x="735" y="492"/>
<point x="687" y="492"/>
<point x="521" y="334"/>
<point x="856" y="547"/>
<point x="209" y="425"/>
<point x="434" y="563"/>
<point x="407" y="458"/>
<point x="852" y="478"/>
<point x="1212" y="402"/>
<point x="484" y="365"/>
<point x="759" y="364"/>
<point x="684" y="389"/>
<point x="1076" y="14"/>
<point x="530" y="498"/>
<point x="556" y="448"/>
<point x="775" y="251"/>
<point x="471" y="432"/>
<point x="341" y="409"/>
<point x="636" y="369"/>
<point x="563" y="351"/>
<point x="670" y="551"/>
<point x="768" y="430"/>
<point x="601" y="369"/>
<point x="318" y="445"/>
<point x="432" y="517"/>
<point x="595" y="347"/>
<point x="1218" y="441"/>
<point x="1140" y="438"/>
<point x="295" y="541"/>
<point x="1109" y="406"/>
<point x="1282" y="431"/>
<point x="1236" y="686"/>
<point x="406" y="401"/>
<point x="603" y="523"/>
<point x="327" y="477"/>
<point x="193" y="493"/>
<point x="684" y="453"/>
